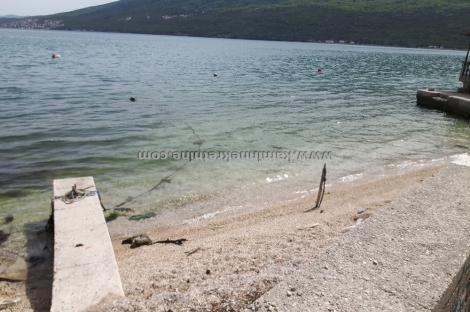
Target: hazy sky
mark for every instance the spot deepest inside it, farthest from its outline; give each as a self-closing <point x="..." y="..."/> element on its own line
<point x="44" y="7"/>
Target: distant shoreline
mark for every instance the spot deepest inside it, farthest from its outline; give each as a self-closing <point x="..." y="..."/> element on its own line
<point x="248" y="39"/>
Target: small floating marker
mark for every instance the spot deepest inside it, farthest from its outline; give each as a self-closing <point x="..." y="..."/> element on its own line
<point x="215" y="74"/>
<point x="133" y="99"/>
<point x="319" y="69"/>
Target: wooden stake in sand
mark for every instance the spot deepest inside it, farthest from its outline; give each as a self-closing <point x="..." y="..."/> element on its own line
<point x="321" y="189"/>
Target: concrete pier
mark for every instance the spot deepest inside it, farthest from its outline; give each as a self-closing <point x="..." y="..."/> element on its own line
<point x="447" y="101"/>
<point x="85" y="269"/>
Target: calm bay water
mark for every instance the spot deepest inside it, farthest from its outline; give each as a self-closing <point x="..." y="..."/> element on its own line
<point x="72" y="116"/>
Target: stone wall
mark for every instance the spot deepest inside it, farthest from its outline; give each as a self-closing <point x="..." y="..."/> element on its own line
<point x="457" y="297"/>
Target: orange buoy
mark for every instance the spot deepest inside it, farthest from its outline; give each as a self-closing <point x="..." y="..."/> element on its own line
<point x="319" y="69"/>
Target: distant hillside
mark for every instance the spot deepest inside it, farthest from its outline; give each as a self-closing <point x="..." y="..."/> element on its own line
<point x="12" y="16"/>
<point x="413" y="23"/>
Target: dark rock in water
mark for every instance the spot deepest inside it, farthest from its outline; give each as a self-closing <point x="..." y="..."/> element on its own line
<point x="461" y="146"/>
<point x="14" y="193"/>
<point x="3" y="237"/>
<point x="198" y="142"/>
<point x="9" y="219"/>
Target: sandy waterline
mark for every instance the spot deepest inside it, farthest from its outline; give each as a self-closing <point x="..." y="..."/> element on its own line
<point x="233" y="257"/>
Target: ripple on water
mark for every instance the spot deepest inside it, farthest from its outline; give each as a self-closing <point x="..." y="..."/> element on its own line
<point x="73" y="117"/>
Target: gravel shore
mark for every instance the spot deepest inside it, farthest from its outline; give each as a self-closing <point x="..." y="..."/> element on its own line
<point x="264" y="259"/>
<point x="401" y="259"/>
<point x="229" y="261"/>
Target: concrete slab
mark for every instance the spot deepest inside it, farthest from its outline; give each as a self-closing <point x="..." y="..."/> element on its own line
<point x="85" y="269"/>
<point x="447" y="101"/>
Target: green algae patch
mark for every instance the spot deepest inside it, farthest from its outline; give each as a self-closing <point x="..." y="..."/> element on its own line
<point x="143" y="216"/>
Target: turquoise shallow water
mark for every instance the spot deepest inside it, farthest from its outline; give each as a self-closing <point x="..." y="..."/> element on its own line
<point x="72" y="116"/>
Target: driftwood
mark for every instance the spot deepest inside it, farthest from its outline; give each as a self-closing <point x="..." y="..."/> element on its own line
<point x="140" y="240"/>
<point x="171" y="241"/>
<point x="137" y="241"/>
<point x="321" y="189"/>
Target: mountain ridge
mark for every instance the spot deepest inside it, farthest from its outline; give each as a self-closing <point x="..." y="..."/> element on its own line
<point x="408" y="23"/>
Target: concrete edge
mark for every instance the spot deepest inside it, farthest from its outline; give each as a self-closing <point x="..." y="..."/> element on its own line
<point x="85" y="268"/>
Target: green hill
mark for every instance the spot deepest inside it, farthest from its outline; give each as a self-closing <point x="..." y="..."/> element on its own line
<point x="413" y="23"/>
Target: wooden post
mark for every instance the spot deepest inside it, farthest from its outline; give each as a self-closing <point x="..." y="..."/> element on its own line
<point x="321" y="188"/>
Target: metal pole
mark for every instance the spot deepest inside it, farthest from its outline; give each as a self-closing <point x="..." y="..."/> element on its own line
<point x="466" y="58"/>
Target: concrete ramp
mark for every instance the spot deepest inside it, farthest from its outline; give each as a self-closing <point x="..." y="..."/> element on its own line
<point x="85" y="269"/>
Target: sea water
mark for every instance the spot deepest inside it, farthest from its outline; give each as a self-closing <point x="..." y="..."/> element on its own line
<point x="72" y="117"/>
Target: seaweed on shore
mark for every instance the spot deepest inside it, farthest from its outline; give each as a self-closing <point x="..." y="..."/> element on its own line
<point x="3" y="237"/>
<point x="112" y="216"/>
<point x="143" y="216"/>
